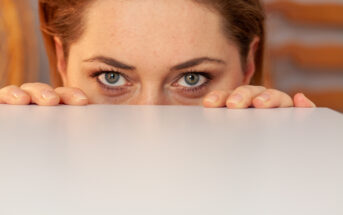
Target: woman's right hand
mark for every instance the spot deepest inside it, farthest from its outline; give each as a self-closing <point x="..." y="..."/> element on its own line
<point x="42" y="94"/>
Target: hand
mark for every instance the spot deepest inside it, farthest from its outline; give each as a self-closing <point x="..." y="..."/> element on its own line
<point x="255" y="96"/>
<point x="41" y="94"/>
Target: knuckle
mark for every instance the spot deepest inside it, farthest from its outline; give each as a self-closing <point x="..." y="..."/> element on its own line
<point x="274" y="92"/>
<point x="243" y="90"/>
<point x="271" y="91"/>
<point x="217" y="92"/>
<point x="35" y="86"/>
<point x="60" y="90"/>
<point x="253" y="87"/>
<point x="259" y="86"/>
<point x="68" y="91"/>
<point x="76" y="90"/>
<point x="214" y="92"/>
<point x="8" y="88"/>
<point x="26" y="85"/>
<point x="41" y="84"/>
<point x="11" y="86"/>
<point x="243" y="87"/>
<point x="250" y="90"/>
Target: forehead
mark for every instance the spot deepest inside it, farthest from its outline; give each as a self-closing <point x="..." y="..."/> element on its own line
<point x="155" y="25"/>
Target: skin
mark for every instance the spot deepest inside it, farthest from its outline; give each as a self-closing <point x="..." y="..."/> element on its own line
<point x="153" y="44"/>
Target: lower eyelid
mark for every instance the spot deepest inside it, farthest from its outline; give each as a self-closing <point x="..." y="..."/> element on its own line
<point x="195" y="92"/>
<point x="112" y="91"/>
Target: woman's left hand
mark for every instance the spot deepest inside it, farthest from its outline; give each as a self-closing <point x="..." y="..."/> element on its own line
<point x="255" y="96"/>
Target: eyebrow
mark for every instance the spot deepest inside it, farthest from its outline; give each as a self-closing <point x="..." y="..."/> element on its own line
<point x="196" y="62"/>
<point x="188" y="64"/>
<point x="111" y="62"/>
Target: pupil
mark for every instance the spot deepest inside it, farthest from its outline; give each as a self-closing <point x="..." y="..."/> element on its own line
<point x="112" y="78"/>
<point x="192" y="79"/>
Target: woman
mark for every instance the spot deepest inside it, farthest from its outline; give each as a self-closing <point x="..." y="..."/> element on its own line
<point x="180" y="52"/>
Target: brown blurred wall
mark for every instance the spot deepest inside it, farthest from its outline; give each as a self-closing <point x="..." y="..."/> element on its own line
<point x="18" y="49"/>
<point x="287" y="75"/>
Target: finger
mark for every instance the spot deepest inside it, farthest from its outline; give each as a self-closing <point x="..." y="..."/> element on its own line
<point x="71" y="96"/>
<point x="14" y="95"/>
<point x="1" y="101"/>
<point x="242" y="97"/>
<point x="301" y="101"/>
<point x="273" y="99"/>
<point x="215" y="99"/>
<point x="41" y="94"/>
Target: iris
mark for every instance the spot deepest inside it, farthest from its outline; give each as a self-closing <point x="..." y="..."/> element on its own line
<point x="192" y="79"/>
<point x="112" y="78"/>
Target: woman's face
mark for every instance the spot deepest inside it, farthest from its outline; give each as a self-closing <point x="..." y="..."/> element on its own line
<point x="151" y="52"/>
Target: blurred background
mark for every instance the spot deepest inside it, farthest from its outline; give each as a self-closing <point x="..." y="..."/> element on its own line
<point x="305" y="49"/>
<point x="304" y="53"/>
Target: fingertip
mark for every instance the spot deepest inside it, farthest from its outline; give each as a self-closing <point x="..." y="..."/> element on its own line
<point x="215" y="99"/>
<point x="243" y="96"/>
<point x="72" y="96"/>
<point x="300" y="100"/>
<point x="258" y="103"/>
<point x="272" y="98"/>
<point x="23" y="99"/>
<point x="264" y="100"/>
<point x="19" y="97"/>
<point x="232" y="105"/>
<point x="13" y="95"/>
<point x="80" y="101"/>
<point x="41" y="94"/>
<point x="49" y="98"/>
<point x="211" y="101"/>
<point x="236" y="101"/>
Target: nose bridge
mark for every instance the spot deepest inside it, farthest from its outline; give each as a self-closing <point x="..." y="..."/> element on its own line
<point x="151" y="94"/>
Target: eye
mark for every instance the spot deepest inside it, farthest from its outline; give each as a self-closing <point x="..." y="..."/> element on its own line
<point x="192" y="80"/>
<point x="112" y="79"/>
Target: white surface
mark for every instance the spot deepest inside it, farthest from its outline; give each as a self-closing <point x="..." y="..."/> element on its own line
<point x="170" y="160"/>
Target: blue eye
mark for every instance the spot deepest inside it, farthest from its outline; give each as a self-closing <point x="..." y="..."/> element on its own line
<point x="192" y="80"/>
<point x="112" y="79"/>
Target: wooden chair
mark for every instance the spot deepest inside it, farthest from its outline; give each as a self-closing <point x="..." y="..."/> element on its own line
<point x="326" y="56"/>
<point x="18" y="47"/>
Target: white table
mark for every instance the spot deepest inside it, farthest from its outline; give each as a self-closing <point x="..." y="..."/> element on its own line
<point x="128" y="160"/>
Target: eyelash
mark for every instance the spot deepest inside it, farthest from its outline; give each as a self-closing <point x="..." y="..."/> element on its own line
<point x="209" y="77"/>
<point x="104" y="71"/>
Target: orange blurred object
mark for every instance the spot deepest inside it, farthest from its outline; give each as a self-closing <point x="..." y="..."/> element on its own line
<point x="18" y="49"/>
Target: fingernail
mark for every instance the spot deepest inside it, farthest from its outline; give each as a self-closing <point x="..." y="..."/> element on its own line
<point x="48" y="95"/>
<point x="80" y="96"/>
<point x="264" y="97"/>
<point x="235" y="99"/>
<point x="212" y="98"/>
